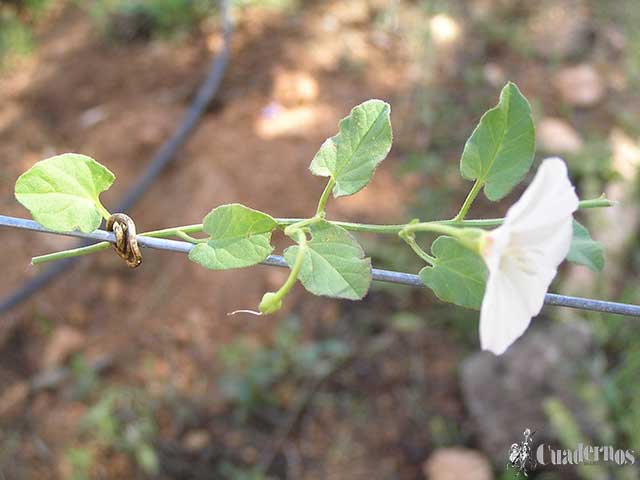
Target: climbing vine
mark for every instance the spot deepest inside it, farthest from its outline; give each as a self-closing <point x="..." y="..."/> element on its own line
<point x="502" y="266"/>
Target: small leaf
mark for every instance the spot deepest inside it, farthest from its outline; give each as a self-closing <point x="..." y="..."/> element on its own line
<point x="584" y="250"/>
<point x="458" y="276"/>
<point x="500" y="150"/>
<point x="62" y="192"/>
<point x="351" y="157"/>
<point x="240" y="237"/>
<point x="334" y="264"/>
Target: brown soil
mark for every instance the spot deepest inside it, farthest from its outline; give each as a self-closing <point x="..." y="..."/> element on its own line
<point x="171" y="315"/>
<point x="292" y="76"/>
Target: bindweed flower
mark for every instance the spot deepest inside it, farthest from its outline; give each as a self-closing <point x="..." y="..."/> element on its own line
<point x="523" y="254"/>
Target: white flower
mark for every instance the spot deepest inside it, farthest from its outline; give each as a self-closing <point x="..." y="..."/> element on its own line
<point x="523" y="255"/>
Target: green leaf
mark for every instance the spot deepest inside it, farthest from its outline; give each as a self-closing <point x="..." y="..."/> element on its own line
<point x="458" y="276"/>
<point x="62" y="192"/>
<point x="500" y="150"/>
<point x="584" y="250"/>
<point x="334" y="264"/>
<point x="240" y="237"/>
<point x="363" y="141"/>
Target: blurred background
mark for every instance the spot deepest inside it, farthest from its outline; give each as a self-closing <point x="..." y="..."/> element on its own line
<point x="116" y="374"/>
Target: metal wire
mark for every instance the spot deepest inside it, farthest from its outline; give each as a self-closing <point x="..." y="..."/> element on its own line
<point x="157" y="164"/>
<point x="278" y="261"/>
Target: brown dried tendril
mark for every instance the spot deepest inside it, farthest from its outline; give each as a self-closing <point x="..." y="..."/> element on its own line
<point x="126" y="244"/>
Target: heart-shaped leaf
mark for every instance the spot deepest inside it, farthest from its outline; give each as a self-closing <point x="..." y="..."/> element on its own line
<point x="239" y="237"/>
<point x="334" y="264"/>
<point x="459" y="275"/>
<point x="500" y="150"/>
<point x="363" y="141"/>
<point x="62" y="192"/>
<point x="584" y="250"/>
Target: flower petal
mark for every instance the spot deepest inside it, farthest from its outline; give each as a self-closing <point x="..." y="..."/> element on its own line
<point x="549" y="200"/>
<point x="529" y="287"/>
<point x="548" y="245"/>
<point x="511" y="299"/>
<point x="497" y="240"/>
<point x="503" y="316"/>
<point x="523" y="255"/>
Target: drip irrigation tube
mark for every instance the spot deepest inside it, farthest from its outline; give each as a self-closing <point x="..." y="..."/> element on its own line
<point x="157" y="164"/>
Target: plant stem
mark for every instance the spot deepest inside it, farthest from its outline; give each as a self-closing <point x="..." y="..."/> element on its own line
<point x="285" y="222"/>
<point x="100" y="246"/>
<point x="295" y="270"/>
<point x="103" y="211"/>
<point x="292" y="228"/>
<point x="189" y="238"/>
<point x="76" y="252"/>
<point x="599" y="202"/>
<point x="480" y="222"/>
<point x="473" y="193"/>
<point x="354" y="227"/>
<point x="434" y="227"/>
<point x="172" y="232"/>
<point x="325" y="197"/>
<point x="411" y="241"/>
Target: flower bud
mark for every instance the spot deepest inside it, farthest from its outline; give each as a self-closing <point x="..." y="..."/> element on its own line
<point x="270" y="303"/>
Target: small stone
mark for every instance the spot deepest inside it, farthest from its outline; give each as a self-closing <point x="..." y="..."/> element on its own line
<point x="454" y="463"/>
<point x="560" y="30"/>
<point x="580" y="86"/>
<point x="196" y="440"/>
<point x="494" y="74"/>
<point x="353" y="12"/>
<point x="285" y="122"/>
<point x="215" y="42"/>
<point x="444" y="29"/>
<point x="93" y="116"/>
<point x="64" y="341"/>
<point x="506" y="394"/>
<point x="292" y="88"/>
<point x="556" y="136"/>
<point x="615" y="38"/>
<point x="625" y="153"/>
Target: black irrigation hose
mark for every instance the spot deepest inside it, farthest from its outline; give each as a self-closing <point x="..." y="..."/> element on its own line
<point x="156" y="166"/>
